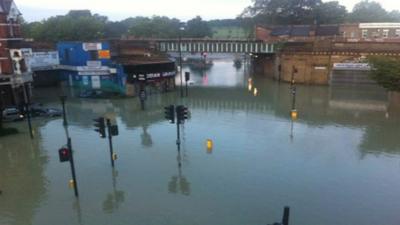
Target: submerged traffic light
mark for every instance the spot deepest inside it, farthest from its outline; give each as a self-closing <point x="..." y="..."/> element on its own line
<point x="170" y="113"/>
<point x="101" y="126"/>
<point x="64" y="154"/>
<point x="182" y="113"/>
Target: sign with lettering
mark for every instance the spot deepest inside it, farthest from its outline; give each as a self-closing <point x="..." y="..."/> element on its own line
<point x="104" y="54"/>
<point x="42" y="59"/>
<point x="91" y="46"/>
<point x="351" y="66"/>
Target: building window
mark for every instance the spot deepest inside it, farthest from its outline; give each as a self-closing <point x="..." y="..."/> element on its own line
<point x="364" y="33"/>
<point x="93" y="55"/>
<point x="385" y="33"/>
<point x="352" y="35"/>
<point x="397" y="33"/>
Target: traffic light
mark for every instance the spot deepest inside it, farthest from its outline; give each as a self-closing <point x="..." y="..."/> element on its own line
<point x="182" y="113"/>
<point x="64" y="154"/>
<point x="101" y="126"/>
<point x="170" y="113"/>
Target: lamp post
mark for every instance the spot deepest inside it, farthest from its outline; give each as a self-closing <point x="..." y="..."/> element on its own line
<point x="181" y="29"/>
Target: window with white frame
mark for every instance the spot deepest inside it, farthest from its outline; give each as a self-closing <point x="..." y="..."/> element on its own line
<point x="397" y="34"/>
<point x="364" y="33"/>
<point x="385" y="33"/>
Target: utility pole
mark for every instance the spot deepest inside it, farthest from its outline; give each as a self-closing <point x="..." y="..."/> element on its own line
<point x="180" y="59"/>
<point x="27" y="101"/>
<point x="66" y="154"/>
<point x="187" y="78"/>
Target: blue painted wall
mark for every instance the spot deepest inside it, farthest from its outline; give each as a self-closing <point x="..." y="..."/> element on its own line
<point x="74" y="54"/>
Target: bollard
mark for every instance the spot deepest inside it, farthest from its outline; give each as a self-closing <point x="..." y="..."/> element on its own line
<point x="294" y="114"/>
<point x="210" y="145"/>
<point x="71" y="183"/>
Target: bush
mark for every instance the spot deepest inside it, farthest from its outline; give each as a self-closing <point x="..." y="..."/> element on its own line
<point x="386" y="72"/>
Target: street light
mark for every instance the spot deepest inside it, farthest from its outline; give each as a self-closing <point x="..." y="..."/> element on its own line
<point x="181" y="29"/>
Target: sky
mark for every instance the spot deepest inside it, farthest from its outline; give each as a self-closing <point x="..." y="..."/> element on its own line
<point x="34" y="10"/>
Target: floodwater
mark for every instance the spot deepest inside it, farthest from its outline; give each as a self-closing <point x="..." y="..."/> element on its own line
<point x="338" y="164"/>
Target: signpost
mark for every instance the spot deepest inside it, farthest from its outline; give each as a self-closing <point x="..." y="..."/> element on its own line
<point x="187" y="78"/>
<point x="66" y="155"/>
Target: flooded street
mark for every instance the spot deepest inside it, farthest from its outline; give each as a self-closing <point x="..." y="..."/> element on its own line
<point x="338" y="164"/>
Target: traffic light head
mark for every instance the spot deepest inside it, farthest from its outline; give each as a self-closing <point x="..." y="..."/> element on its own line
<point x="182" y="113"/>
<point x="170" y="113"/>
<point x="64" y="154"/>
<point x="101" y="126"/>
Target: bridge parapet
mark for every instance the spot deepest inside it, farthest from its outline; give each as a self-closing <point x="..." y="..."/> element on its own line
<point x="216" y="46"/>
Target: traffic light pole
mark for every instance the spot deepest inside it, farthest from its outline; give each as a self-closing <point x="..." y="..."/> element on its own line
<point x="28" y="109"/>
<point x="178" y="140"/>
<point x="63" y="99"/>
<point x="110" y="141"/>
<point x="71" y="161"/>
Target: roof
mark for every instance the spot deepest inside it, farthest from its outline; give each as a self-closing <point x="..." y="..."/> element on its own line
<point x="6" y="5"/>
<point x="280" y="31"/>
<point x="330" y="30"/>
<point x="303" y="31"/>
<point x="300" y="31"/>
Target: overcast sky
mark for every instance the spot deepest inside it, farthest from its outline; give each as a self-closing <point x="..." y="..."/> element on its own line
<point x="33" y="10"/>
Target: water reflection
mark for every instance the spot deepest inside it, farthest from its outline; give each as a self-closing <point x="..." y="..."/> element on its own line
<point x="22" y="178"/>
<point x="147" y="141"/>
<point x="263" y="158"/>
<point x="179" y="183"/>
<point x="317" y="106"/>
<point x="115" y="198"/>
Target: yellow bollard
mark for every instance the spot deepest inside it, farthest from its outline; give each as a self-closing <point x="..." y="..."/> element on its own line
<point x="294" y="114"/>
<point x="255" y="92"/>
<point x="209" y="145"/>
<point x="114" y="156"/>
<point x="71" y="183"/>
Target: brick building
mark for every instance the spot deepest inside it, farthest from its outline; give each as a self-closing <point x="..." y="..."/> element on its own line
<point x="352" y="32"/>
<point x="14" y="73"/>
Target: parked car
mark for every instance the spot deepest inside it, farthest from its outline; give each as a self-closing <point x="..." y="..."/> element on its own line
<point x="45" y="112"/>
<point x="12" y="114"/>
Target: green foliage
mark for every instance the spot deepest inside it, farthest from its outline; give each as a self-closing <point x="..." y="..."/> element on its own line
<point x="386" y="72"/>
<point x="368" y="11"/>
<point x="330" y="13"/>
<point x="221" y="32"/>
<point x="198" y="28"/>
<point x="76" y="25"/>
<point x="283" y="12"/>
<point x="81" y="25"/>
<point x="154" y="27"/>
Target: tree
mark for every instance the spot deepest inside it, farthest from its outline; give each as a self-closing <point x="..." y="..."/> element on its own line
<point x="155" y="27"/>
<point x="368" y="11"/>
<point x="283" y="11"/>
<point x="75" y="26"/>
<point x="330" y="13"/>
<point x="386" y="72"/>
<point x="197" y="28"/>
